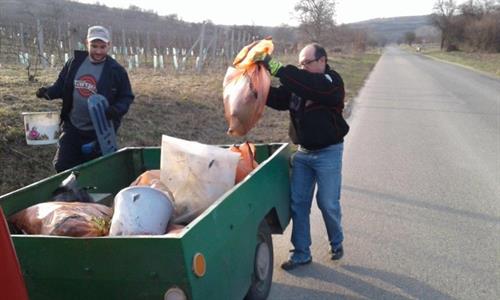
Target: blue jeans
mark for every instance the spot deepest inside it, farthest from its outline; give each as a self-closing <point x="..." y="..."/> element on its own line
<point x="69" y="149"/>
<point x="324" y="168"/>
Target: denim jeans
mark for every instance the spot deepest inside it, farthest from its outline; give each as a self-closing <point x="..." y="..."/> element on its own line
<point x="324" y="168"/>
<point x="69" y="149"/>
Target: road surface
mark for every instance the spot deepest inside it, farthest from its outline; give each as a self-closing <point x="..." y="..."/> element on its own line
<point x="421" y="191"/>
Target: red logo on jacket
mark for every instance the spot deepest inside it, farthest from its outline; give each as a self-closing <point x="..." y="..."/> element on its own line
<point x="86" y="85"/>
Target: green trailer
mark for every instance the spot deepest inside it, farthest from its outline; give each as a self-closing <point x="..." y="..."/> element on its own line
<point x="225" y="253"/>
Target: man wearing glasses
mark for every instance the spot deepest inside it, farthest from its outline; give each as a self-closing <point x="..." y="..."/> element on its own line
<point x="313" y="93"/>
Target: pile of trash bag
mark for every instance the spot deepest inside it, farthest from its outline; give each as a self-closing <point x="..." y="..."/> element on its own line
<point x="192" y="176"/>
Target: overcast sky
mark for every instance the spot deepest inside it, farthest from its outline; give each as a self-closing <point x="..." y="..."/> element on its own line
<point x="273" y="12"/>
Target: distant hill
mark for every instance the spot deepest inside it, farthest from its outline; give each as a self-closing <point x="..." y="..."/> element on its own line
<point x="133" y="26"/>
<point x="394" y="29"/>
<point x="65" y="23"/>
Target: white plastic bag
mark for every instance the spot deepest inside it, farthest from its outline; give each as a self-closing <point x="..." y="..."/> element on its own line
<point x="197" y="174"/>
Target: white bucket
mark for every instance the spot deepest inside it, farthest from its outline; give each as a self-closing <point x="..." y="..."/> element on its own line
<point x="41" y="128"/>
<point x="141" y="210"/>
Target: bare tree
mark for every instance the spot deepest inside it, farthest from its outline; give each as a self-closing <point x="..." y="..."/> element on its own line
<point x="471" y="10"/>
<point x="444" y="11"/>
<point x="316" y="18"/>
<point x="481" y="29"/>
<point x="348" y="38"/>
<point x="410" y="37"/>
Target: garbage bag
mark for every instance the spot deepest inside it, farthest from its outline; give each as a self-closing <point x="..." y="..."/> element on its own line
<point x="74" y="219"/>
<point x="69" y="190"/>
<point x="151" y="178"/>
<point x="247" y="160"/>
<point x="246" y="87"/>
<point x="175" y="228"/>
<point x="197" y="174"/>
<point x="147" y="178"/>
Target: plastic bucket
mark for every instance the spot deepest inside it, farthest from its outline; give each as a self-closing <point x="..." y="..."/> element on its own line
<point x="141" y="210"/>
<point x="41" y="128"/>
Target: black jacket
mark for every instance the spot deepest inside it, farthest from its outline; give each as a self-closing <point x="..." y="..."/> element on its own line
<point x="315" y="102"/>
<point x="113" y="84"/>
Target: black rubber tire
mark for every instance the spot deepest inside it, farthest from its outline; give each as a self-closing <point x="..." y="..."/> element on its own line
<point x="260" y="287"/>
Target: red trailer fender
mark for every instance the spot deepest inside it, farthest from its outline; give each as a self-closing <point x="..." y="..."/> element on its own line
<point x="11" y="280"/>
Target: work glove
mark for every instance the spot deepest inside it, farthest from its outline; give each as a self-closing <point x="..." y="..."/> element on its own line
<point x="112" y="113"/>
<point x="89" y="148"/>
<point x="42" y="93"/>
<point x="271" y="64"/>
<point x="274" y="66"/>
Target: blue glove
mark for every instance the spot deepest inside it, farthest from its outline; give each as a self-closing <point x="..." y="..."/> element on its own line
<point x="89" y="148"/>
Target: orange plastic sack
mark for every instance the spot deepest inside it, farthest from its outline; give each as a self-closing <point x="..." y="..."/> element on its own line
<point x="147" y="178"/>
<point x="151" y="178"/>
<point x="75" y="219"/>
<point x="246" y="86"/>
<point x="247" y="160"/>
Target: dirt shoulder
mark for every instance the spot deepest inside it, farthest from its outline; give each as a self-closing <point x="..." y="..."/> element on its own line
<point x="487" y="63"/>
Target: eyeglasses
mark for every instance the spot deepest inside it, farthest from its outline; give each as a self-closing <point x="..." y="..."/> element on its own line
<point x="308" y="62"/>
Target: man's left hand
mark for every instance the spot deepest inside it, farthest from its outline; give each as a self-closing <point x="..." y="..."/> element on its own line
<point x="112" y="113"/>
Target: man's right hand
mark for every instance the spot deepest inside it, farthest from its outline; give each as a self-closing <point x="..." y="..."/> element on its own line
<point x="42" y="93"/>
<point x="271" y="64"/>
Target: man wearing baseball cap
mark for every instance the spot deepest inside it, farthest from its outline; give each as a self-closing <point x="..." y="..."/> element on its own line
<point x="86" y="73"/>
<point x="98" y="33"/>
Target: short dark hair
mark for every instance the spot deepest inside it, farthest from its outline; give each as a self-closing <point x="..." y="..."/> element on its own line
<point x="319" y="51"/>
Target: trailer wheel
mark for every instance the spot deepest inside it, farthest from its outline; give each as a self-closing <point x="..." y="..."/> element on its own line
<point x="263" y="265"/>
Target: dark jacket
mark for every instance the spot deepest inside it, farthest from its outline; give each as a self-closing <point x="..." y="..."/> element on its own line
<point x="315" y="102"/>
<point x="113" y="84"/>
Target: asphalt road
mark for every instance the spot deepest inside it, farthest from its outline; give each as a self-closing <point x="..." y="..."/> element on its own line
<point x="421" y="191"/>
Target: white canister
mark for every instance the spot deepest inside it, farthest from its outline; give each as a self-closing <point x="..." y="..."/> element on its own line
<point x="141" y="210"/>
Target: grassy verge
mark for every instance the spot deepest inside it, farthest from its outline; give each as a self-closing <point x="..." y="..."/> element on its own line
<point x="484" y="62"/>
<point x="182" y="105"/>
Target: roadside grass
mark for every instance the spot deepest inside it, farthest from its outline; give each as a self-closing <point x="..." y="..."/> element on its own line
<point x="354" y="70"/>
<point x="485" y="62"/>
<point x="187" y="106"/>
